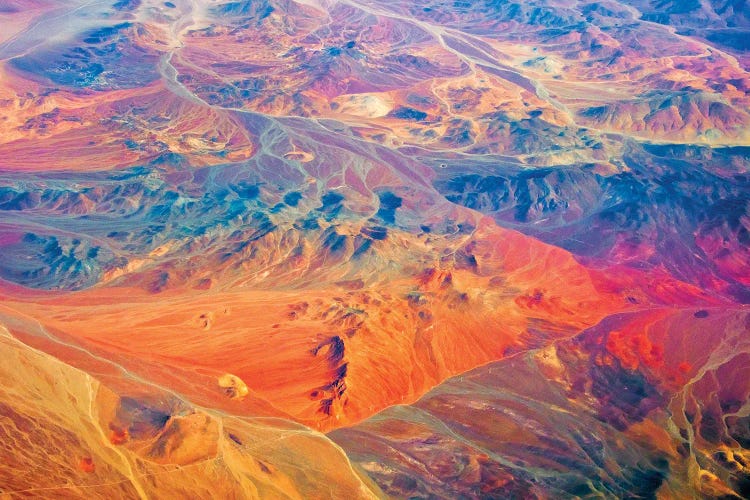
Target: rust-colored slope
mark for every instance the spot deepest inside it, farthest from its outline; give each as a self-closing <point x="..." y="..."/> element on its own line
<point x="69" y="436"/>
<point x="63" y="130"/>
<point x="652" y="403"/>
<point x="332" y="354"/>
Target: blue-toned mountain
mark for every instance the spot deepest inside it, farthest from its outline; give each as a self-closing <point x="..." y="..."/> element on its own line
<point x="494" y="249"/>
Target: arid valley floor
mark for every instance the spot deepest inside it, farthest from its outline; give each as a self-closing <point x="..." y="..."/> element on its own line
<point x="350" y="249"/>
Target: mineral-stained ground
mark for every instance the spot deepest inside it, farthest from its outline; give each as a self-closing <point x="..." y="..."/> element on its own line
<point x="374" y="249"/>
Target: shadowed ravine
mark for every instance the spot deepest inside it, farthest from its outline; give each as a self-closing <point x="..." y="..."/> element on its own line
<point x="369" y="249"/>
